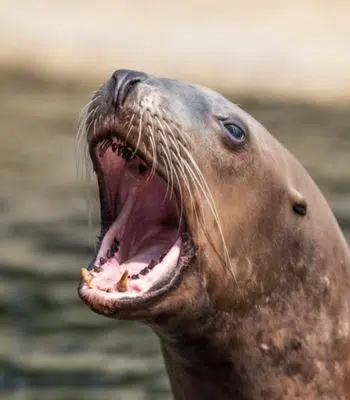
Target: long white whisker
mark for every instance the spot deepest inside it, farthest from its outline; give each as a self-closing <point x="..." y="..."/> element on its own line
<point x="172" y="171"/>
<point x="167" y="156"/>
<point x="177" y="155"/>
<point x="202" y="185"/>
<point x="166" y="151"/>
<point x="167" y="169"/>
<point x="139" y="137"/>
<point x="130" y="127"/>
<point x="84" y="164"/>
<point x="81" y="147"/>
<point x="178" y="164"/>
<point x="181" y="200"/>
<point x="154" y="151"/>
<point x="153" y="145"/>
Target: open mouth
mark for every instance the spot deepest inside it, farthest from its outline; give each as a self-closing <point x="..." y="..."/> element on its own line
<point x="144" y="244"/>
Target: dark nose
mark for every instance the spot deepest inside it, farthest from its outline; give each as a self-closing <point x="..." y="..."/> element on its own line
<point x="122" y="83"/>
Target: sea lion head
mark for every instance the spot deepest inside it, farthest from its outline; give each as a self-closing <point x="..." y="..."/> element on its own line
<point x="202" y="209"/>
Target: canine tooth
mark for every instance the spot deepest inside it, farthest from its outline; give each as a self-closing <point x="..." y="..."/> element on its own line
<point x="122" y="285"/>
<point x="87" y="278"/>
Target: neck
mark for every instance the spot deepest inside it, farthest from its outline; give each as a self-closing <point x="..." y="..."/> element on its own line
<point x="200" y="363"/>
<point x="258" y="355"/>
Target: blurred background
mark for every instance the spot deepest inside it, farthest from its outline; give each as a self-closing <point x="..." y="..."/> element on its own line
<point x="286" y="62"/>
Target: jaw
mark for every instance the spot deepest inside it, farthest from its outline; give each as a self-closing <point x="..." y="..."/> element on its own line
<point x="144" y="244"/>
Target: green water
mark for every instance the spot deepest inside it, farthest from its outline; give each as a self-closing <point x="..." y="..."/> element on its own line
<point x="51" y="345"/>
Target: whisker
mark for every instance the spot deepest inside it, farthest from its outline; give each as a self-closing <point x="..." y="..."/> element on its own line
<point x="178" y="164"/>
<point x="181" y="201"/>
<point x="168" y="158"/>
<point x="130" y="126"/>
<point x="169" y="147"/>
<point x="167" y="170"/>
<point x="139" y="137"/>
<point x="166" y="151"/>
<point x="202" y="185"/>
<point x="176" y="156"/>
<point x="154" y="149"/>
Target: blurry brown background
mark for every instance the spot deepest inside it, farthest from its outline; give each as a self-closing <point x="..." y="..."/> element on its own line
<point x="285" y="62"/>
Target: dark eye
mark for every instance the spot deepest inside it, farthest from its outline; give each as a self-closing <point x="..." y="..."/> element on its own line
<point x="236" y="132"/>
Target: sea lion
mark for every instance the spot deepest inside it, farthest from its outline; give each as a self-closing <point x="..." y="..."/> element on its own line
<point x="217" y="238"/>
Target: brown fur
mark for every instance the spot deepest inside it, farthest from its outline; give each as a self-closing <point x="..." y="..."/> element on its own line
<point x="277" y="325"/>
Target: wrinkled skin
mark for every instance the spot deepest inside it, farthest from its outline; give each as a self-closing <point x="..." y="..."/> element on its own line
<point x="274" y="322"/>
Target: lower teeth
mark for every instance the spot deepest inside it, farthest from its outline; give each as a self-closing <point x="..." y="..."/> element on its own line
<point x="122" y="284"/>
<point x="98" y="268"/>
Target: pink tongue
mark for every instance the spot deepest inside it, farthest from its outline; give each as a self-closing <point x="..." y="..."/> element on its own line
<point x="149" y="254"/>
<point x="144" y="223"/>
<point x="112" y="272"/>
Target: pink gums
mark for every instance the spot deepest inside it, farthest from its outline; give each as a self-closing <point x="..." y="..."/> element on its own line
<point x="146" y="226"/>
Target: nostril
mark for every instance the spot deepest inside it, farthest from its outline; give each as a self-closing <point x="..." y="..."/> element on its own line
<point x="125" y="90"/>
<point x="124" y="82"/>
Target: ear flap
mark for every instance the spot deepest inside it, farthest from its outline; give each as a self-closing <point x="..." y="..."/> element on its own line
<point x="298" y="202"/>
